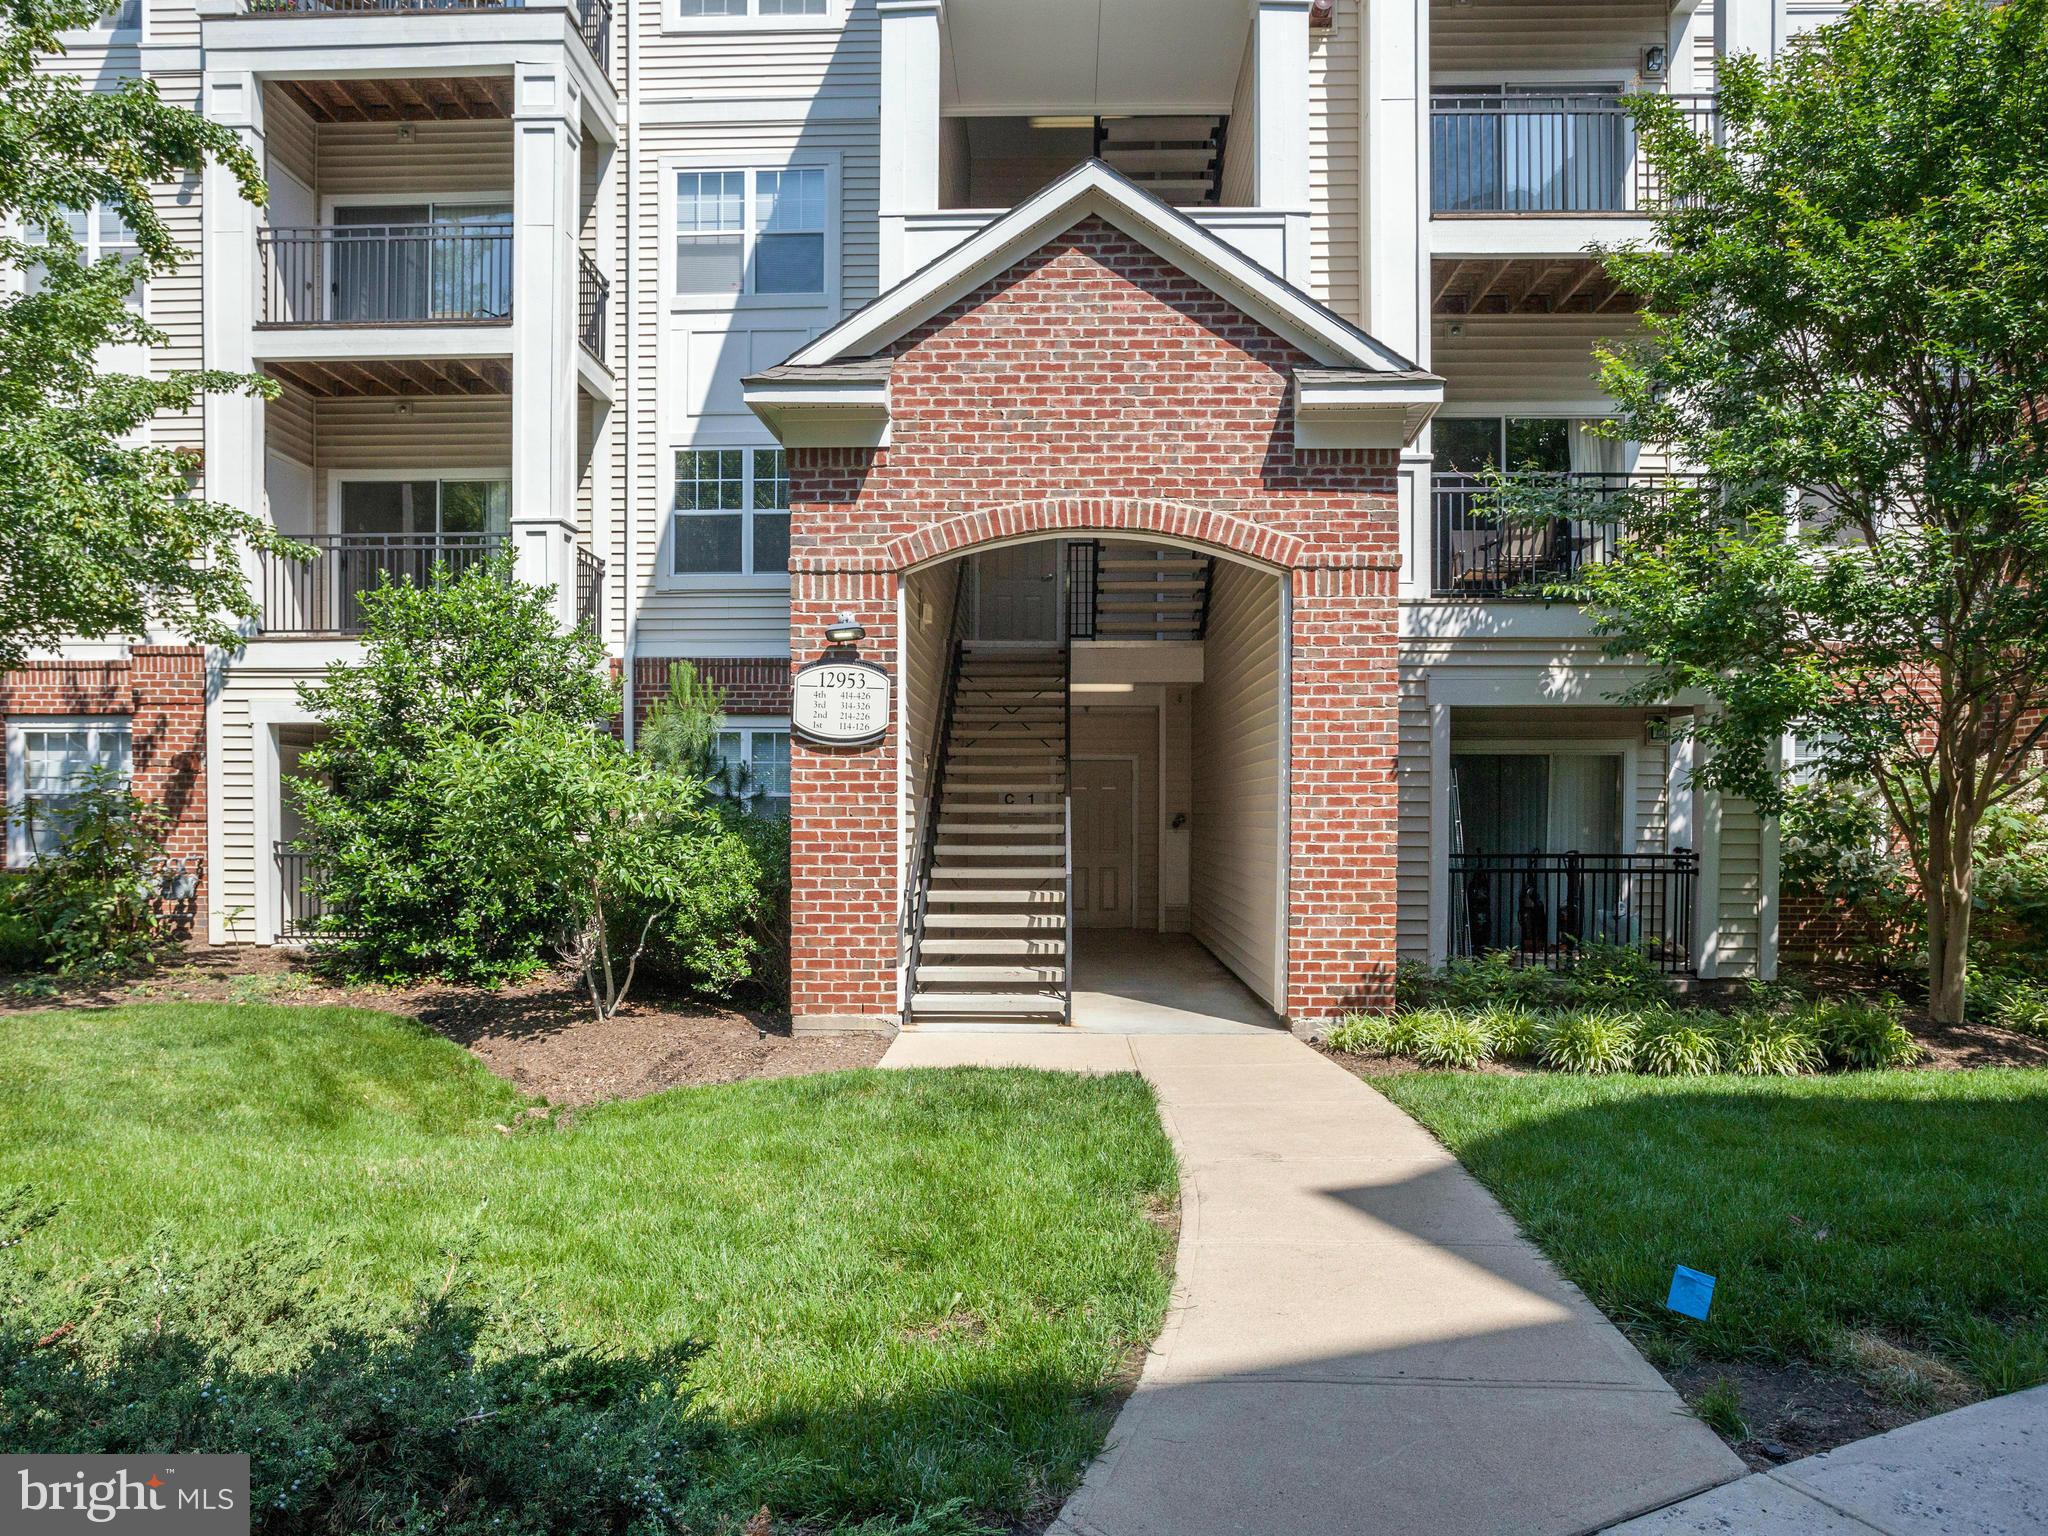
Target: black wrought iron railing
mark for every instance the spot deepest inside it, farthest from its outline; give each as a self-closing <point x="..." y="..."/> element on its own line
<point x="299" y="907"/>
<point x="917" y="896"/>
<point x="1478" y="553"/>
<point x="1531" y="152"/>
<point x="1084" y="570"/>
<point x="593" y="305"/>
<point x="385" y="274"/>
<point x="324" y="595"/>
<point x="590" y="591"/>
<point x="1547" y="907"/>
<point x="593" y="19"/>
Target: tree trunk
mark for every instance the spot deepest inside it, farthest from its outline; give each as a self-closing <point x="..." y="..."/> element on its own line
<point x="1951" y="832"/>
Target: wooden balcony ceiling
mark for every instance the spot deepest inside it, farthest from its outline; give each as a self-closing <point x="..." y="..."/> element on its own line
<point x="458" y="98"/>
<point x="375" y="378"/>
<point x="1544" y="285"/>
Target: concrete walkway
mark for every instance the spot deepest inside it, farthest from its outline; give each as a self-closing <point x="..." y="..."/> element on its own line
<point x="1360" y="1340"/>
<point x="1979" y="1471"/>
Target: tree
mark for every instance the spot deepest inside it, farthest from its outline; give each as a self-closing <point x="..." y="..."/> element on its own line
<point x="457" y="661"/>
<point x="100" y="534"/>
<point x="624" y="851"/>
<point x="1847" y="329"/>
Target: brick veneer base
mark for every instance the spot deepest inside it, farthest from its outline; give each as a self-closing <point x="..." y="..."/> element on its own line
<point x="161" y="689"/>
<point x="1094" y="388"/>
<point x="752" y="685"/>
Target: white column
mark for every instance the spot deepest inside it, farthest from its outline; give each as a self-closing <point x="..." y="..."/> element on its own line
<point x="231" y="292"/>
<point x="546" y="170"/>
<point x="1279" y="58"/>
<point x="1746" y="26"/>
<point x="909" y="124"/>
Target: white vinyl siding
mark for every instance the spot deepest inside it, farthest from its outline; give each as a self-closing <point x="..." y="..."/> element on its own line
<point x="1415" y="800"/>
<point x="174" y="308"/>
<point x="1505" y="360"/>
<point x="757" y="57"/>
<point x="1241" y="139"/>
<point x="1234" y="860"/>
<point x="927" y="643"/>
<point x="1518" y="38"/>
<point x="1334" y="129"/>
<point x="437" y="159"/>
<point x="1739" y="898"/>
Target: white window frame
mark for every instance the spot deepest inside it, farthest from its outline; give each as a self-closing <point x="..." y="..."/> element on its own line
<point x="126" y="357"/>
<point x="1628" y="749"/>
<point x="749" y="726"/>
<point x="673" y="20"/>
<point x="835" y="219"/>
<point x="339" y="475"/>
<point x="106" y="34"/>
<point x="19" y="854"/>
<point x="668" y="578"/>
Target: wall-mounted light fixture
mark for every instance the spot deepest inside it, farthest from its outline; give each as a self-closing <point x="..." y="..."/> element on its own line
<point x="1655" y="58"/>
<point x="845" y="632"/>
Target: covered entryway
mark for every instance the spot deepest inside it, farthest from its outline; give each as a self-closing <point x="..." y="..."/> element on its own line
<point x="1095" y="411"/>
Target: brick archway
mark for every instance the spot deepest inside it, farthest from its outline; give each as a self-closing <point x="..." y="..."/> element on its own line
<point x="1222" y="532"/>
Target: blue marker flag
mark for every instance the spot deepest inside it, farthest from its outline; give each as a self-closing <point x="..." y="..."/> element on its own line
<point x="1691" y="1292"/>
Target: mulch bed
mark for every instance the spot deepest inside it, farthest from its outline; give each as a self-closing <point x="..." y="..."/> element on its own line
<point x="539" y="1034"/>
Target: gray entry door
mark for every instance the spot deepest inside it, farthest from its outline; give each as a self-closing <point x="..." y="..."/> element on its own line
<point x="1104" y="842"/>
<point x="1017" y="593"/>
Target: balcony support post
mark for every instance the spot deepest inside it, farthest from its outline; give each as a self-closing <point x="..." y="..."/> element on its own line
<point x="1746" y="26"/>
<point x="547" y="148"/>
<point x="909" y="124"/>
<point x="1279" y="126"/>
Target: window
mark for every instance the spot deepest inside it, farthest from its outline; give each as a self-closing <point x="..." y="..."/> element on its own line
<point x="759" y="232"/>
<point x="100" y="234"/>
<point x="422" y="261"/>
<point x="426" y="506"/>
<point x="697" y="10"/>
<point x="119" y="16"/>
<point x="48" y="763"/>
<point x="756" y="761"/>
<point x="1471" y="445"/>
<point x="731" y="512"/>
<point x="1533" y="802"/>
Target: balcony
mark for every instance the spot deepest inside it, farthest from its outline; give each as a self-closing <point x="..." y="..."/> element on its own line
<point x="593" y="17"/>
<point x="1545" y="908"/>
<point x="323" y="597"/>
<point x="385" y="274"/>
<point x="1500" y="154"/>
<point x="593" y="306"/>
<point x="1476" y="555"/>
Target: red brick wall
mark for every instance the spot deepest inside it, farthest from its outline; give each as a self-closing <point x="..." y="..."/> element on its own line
<point x="752" y="685"/>
<point x="1093" y="386"/>
<point x="162" y="689"/>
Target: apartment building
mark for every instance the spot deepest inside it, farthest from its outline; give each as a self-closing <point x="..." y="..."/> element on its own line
<point x="1109" y="378"/>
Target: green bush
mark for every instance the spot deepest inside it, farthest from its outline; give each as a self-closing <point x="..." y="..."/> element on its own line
<point x="1677" y="1042"/>
<point x="21" y="939"/>
<point x="1592" y="1040"/>
<point x="1768" y="1045"/>
<point x="1515" y="1031"/>
<point x="1449" y="1039"/>
<point x="1358" y="1034"/>
<point x="91" y="907"/>
<point x="2011" y="1002"/>
<point x="1861" y="1034"/>
<point x="452" y="1413"/>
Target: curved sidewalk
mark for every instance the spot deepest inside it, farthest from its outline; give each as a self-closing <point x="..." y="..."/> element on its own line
<point x="1360" y="1340"/>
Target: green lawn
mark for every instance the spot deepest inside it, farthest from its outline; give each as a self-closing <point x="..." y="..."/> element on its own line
<point x="911" y="1287"/>
<point x="1909" y="1204"/>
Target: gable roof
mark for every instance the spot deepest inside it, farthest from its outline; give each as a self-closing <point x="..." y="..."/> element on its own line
<point x="834" y="390"/>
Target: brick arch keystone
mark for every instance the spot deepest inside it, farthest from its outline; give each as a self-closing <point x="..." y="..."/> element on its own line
<point x="1222" y="531"/>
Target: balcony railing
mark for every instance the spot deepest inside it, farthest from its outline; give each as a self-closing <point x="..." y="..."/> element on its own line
<point x="593" y="305"/>
<point x="1477" y="555"/>
<point x="1546" y="908"/>
<point x="590" y="591"/>
<point x="324" y="595"/>
<point x="385" y="274"/>
<point x="593" y="18"/>
<point x="1495" y="152"/>
<point x="299" y="908"/>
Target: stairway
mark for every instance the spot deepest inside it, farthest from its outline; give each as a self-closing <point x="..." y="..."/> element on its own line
<point x="995" y="940"/>
<point x="1177" y="159"/>
<point x="1150" y="592"/>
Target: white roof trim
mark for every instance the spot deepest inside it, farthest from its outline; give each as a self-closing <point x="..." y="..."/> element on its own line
<point x="1093" y="188"/>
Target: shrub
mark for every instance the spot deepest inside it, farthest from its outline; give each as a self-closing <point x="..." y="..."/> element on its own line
<point x="2014" y="1003"/>
<point x="1838" y="840"/>
<point x="1768" y="1045"/>
<point x="91" y="906"/>
<point x="21" y="940"/>
<point x="1675" y="1042"/>
<point x="1358" y="1033"/>
<point x="1592" y="1040"/>
<point x="1611" y="975"/>
<point x="1861" y="1034"/>
<point x="1449" y="1039"/>
<point x="355" y="1415"/>
<point x="1516" y="1032"/>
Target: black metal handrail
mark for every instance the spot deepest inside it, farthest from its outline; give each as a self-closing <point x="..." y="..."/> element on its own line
<point x="918" y="895"/>
<point x="299" y="903"/>
<point x="1084" y="572"/>
<point x="589" y="591"/>
<point x="323" y="595"/>
<point x="1477" y="554"/>
<point x="1547" y="907"/>
<point x="385" y="274"/>
<point x="1559" y="152"/>
<point x="593" y="305"/>
<point x="593" y="17"/>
